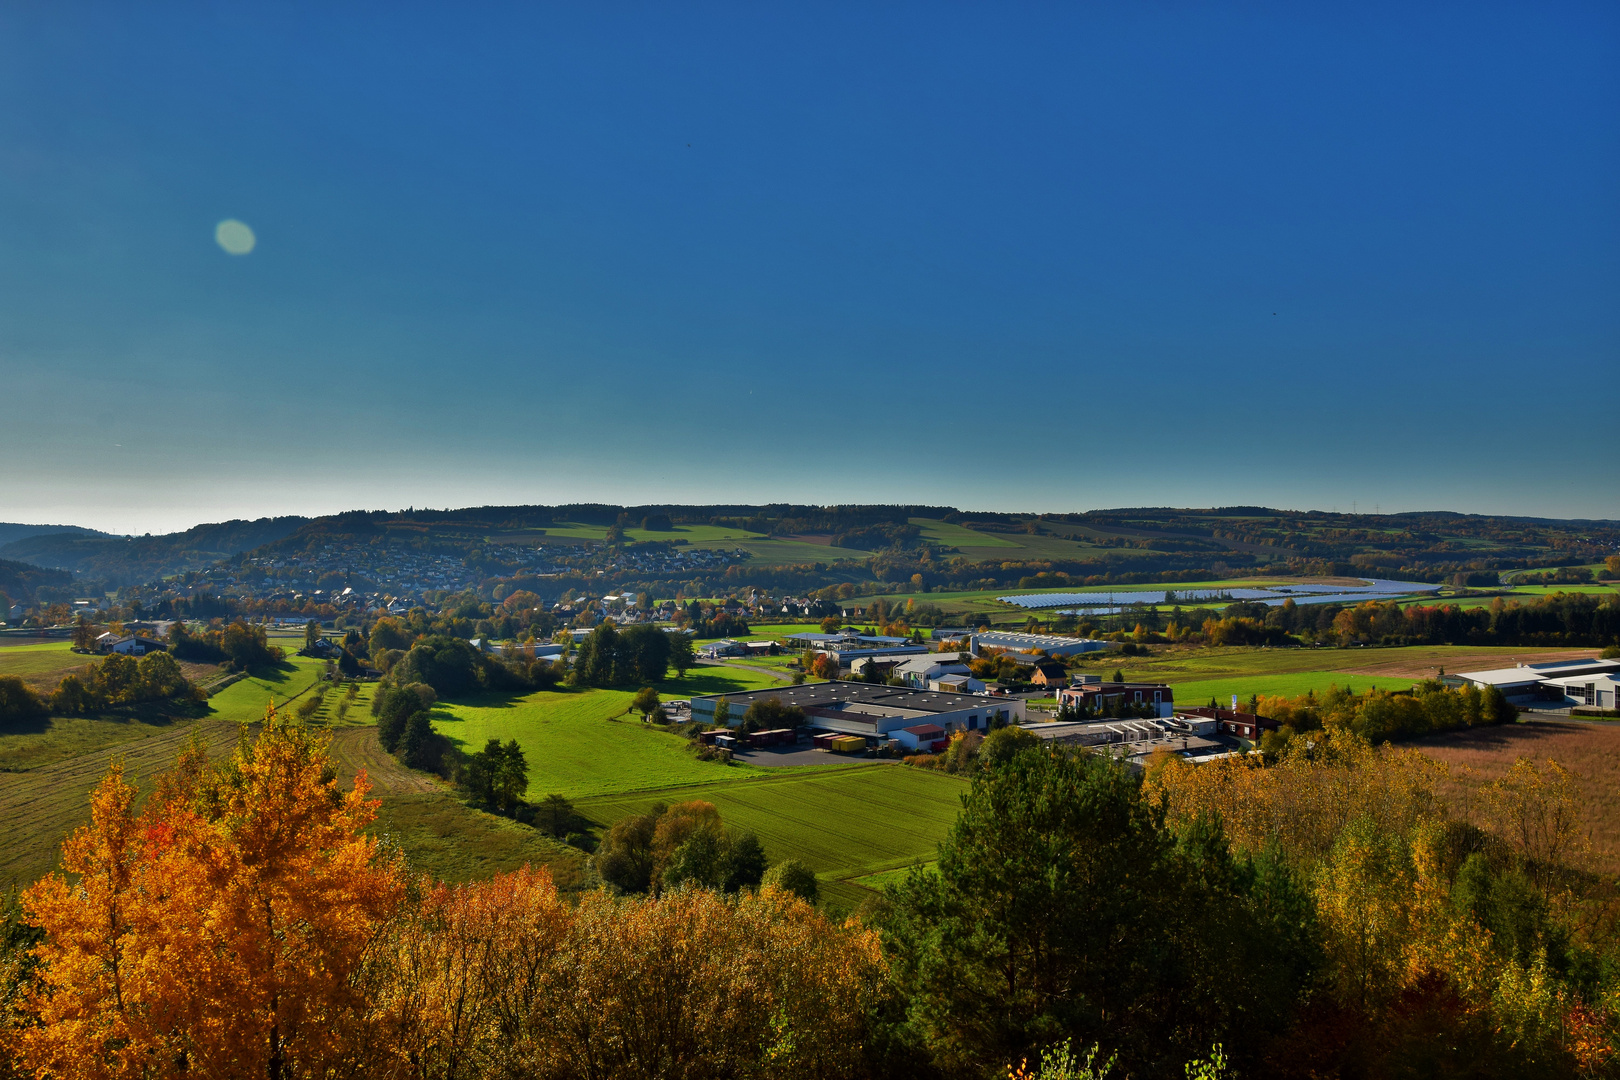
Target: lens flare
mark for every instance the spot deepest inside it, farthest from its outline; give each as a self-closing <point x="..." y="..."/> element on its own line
<point x="235" y="237"/>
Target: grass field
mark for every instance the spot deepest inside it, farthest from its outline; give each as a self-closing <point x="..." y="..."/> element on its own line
<point x="984" y="600"/>
<point x="772" y="551"/>
<point x="1522" y="593"/>
<point x="243" y="702"/>
<point x="1287" y="684"/>
<point x="951" y="535"/>
<point x="440" y="836"/>
<point x="884" y="878"/>
<point x="692" y="534"/>
<point x="765" y="549"/>
<point x="581" y="742"/>
<point x="843" y="822"/>
<point x="44" y="656"/>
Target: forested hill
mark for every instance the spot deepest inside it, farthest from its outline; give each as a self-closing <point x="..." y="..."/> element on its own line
<point x="799" y="546"/>
<point x="127" y="560"/>
<point x="19" y="580"/>
<point x="11" y="531"/>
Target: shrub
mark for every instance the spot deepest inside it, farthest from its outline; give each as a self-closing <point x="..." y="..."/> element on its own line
<point x="18" y="702"/>
<point x="793" y="876"/>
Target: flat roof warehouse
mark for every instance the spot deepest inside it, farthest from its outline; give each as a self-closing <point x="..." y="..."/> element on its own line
<point x="872" y="709"/>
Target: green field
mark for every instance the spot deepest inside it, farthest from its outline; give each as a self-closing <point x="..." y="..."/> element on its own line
<point x="775" y="552"/>
<point x="843" y="822"/>
<point x="884" y="878"/>
<point x="951" y="535"/>
<point x="1289" y="684"/>
<point x="243" y="702"/>
<point x="29" y="661"/>
<point x="582" y="742"/>
<point x="766" y="550"/>
<point x="692" y="534"/>
<point x="449" y="841"/>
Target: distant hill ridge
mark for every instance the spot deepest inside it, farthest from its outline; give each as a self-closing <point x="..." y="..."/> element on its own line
<point x="124" y="560"/>
<point x="11" y="531"/>
<point x="1418" y="544"/>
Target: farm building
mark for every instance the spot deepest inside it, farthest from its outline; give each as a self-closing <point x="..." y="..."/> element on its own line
<point x="1089" y="695"/>
<point x="1050" y="644"/>
<point x="873" y="710"/>
<point x="128" y="645"/>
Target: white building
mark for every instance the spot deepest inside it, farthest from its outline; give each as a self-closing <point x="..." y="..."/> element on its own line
<point x="1531" y="683"/>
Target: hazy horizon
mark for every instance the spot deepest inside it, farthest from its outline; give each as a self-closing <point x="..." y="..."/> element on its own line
<point x="1022" y="258"/>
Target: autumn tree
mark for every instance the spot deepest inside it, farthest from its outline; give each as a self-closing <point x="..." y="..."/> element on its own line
<point x="220" y="930"/>
<point x="502" y="978"/>
<point x="84" y="634"/>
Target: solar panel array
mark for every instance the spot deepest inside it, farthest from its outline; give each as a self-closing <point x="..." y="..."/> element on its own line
<point x="1097" y="603"/>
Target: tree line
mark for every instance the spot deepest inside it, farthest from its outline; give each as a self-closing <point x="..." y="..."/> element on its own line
<point x="114" y="682"/>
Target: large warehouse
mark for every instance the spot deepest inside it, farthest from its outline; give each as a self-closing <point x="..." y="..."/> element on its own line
<point x="1050" y="644"/>
<point x="873" y="710"/>
<point x="1567" y="682"/>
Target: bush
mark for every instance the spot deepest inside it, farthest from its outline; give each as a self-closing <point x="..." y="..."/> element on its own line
<point x="18" y="702"/>
<point x="793" y="876"/>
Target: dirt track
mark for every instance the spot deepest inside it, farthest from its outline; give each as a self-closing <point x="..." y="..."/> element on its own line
<point x="357" y="748"/>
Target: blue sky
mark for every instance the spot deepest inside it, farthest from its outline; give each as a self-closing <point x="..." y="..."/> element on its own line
<point x="1013" y="257"/>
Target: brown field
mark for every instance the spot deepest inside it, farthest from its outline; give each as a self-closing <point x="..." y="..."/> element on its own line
<point x="1425" y="667"/>
<point x="1591" y="751"/>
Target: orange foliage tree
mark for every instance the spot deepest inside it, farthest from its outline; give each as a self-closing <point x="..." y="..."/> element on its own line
<point x="219" y="931"/>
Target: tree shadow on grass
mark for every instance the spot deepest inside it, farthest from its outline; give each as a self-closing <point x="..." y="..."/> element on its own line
<point x="504" y="699"/>
<point x="156" y="714"/>
<point x="275" y="671"/>
<point x="698" y="682"/>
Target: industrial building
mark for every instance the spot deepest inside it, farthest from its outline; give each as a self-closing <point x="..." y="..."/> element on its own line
<point x="1050" y="644"/>
<point x="874" y="711"/>
<point x="1566" y="682"/>
<point x="1134" y="740"/>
